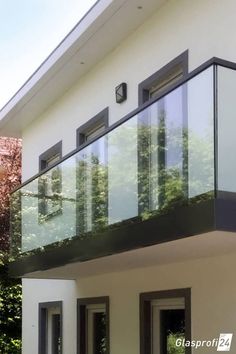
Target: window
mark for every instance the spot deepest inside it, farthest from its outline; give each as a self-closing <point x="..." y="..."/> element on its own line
<point x="93" y="325"/>
<point x="50" y="156"/>
<point x="50" y="328"/>
<point x="92" y="175"/>
<point x="164" y="78"/>
<point x="93" y="127"/>
<point x="52" y="160"/>
<point x="50" y="184"/>
<point x="163" y="83"/>
<point x="162" y="138"/>
<point x="165" y="316"/>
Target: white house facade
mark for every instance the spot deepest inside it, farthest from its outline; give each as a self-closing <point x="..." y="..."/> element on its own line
<point x="124" y="228"/>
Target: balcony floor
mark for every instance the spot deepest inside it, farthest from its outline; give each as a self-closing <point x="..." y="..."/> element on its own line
<point x="205" y="245"/>
<point x="199" y="230"/>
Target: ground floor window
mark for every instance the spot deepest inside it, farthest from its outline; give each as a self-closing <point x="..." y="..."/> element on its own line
<point x="93" y="325"/>
<point x="165" y="317"/>
<point x="50" y="327"/>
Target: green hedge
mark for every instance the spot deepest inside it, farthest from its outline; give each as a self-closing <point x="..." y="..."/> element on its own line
<point x="10" y="312"/>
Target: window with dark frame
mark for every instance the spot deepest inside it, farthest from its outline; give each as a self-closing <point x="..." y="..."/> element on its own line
<point x="50" y="156"/>
<point x="93" y="325"/>
<point x="93" y="127"/>
<point x="164" y="78"/>
<point x="165" y="316"/>
<point x="162" y="139"/>
<point x="50" y="183"/>
<point x="50" y="327"/>
<point x="92" y="175"/>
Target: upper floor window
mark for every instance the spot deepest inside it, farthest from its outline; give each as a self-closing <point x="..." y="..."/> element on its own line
<point x="52" y="160"/>
<point x="168" y="79"/>
<point x="94" y="127"/>
<point x="93" y="132"/>
<point x="162" y="137"/>
<point x="164" y="78"/>
<point x="50" y="156"/>
<point x="50" y="184"/>
<point x="92" y="175"/>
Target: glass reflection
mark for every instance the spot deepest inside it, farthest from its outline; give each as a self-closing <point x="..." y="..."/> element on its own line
<point x="160" y="158"/>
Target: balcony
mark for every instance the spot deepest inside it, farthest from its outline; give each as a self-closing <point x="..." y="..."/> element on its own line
<point x="164" y="172"/>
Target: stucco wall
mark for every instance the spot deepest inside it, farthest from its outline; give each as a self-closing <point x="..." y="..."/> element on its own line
<point x="36" y="291"/>
<point x="213" y="301"/>
<point x="204" y="27"/>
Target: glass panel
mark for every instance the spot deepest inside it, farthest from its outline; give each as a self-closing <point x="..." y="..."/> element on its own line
<point x="200" y="134"/>
<point x="160" y="158"/>
<point x="226" y="129"/>
<point x="122" y="172"/>
<point x="48" y="212"/>
<point x="91" y="185"/>
<point x="161" y="153"/>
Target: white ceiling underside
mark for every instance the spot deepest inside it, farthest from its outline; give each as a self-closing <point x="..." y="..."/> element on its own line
<point x="205" y="245"/>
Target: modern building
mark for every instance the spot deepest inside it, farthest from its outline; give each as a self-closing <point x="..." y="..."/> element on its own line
<point x="123" y="229"/>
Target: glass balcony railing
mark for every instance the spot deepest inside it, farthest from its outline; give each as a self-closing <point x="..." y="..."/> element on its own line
<point x="158" y="159"/>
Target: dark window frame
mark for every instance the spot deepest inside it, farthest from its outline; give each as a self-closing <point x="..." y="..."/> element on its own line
<point x="102" y="118"/>
<point x="42" y="324"/>
<point x="143" y="97"/>
<point x="144" y="86"/>
<point x="81" y="321"/>
<point x="145" y="315"/>
<point x="43" y="199"/>
<point x="46" y="155"/>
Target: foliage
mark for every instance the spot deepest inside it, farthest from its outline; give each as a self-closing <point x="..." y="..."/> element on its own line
<point x="10" y="177"/>
<point x="171" y="343"/>
<point x="10" y="312"/>
<point x="10" y="289"/>
<point x="11" y="346"/>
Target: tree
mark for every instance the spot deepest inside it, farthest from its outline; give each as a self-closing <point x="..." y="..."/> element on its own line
<point x="10" y="289"/>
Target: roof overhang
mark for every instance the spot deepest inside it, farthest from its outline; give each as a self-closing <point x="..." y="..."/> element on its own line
<point x="98" y="33"/>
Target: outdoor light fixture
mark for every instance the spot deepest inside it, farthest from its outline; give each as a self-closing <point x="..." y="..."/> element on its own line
<point x="121" y="92"/>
